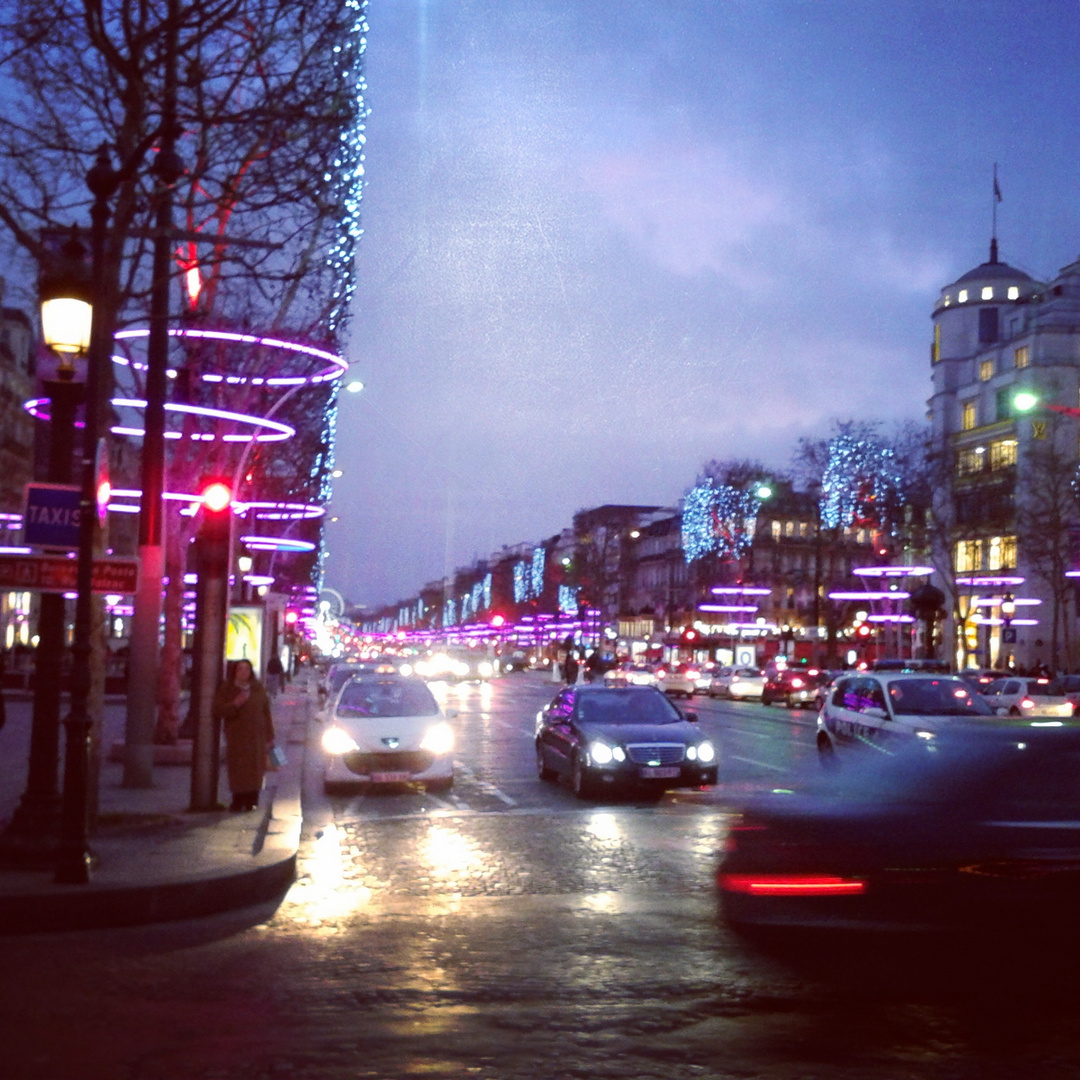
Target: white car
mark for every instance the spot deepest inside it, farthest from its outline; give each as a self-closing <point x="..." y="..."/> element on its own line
<point x="387" y="729"/>
<point x="630" y="675"/>
<point x="1020" y="696"/>
<point x="738" y="682"/>
<point x="678" y="679"/>
<point x="877" y="711"/>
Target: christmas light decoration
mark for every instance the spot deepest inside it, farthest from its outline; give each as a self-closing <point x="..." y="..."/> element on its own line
<point x="718" y="518"/>
<point x="861" y="480"/>
<point x="568" y="602"/>
<point x="521" y="583"/>
<point x="536" y="582"/>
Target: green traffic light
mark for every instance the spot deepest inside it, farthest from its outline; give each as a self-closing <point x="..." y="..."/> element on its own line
<point x="1025" y="401"/>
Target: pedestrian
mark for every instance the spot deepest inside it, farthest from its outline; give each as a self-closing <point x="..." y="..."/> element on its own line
<point x="243" y="706"/>
<point x="275" y="675"/>
<point x="571" y="668"/>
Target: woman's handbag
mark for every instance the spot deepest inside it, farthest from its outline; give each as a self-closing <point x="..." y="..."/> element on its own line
<point x="275" y="758"/>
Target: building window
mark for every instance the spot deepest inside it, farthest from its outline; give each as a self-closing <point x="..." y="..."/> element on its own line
<point x="803" y="528"/>
<point x="986" y="370"/>
<point x="1014" y="292"/>
<point x="1001" y="553"/>
<point x="988" y="292"/>
<point x="776" y="530"/>
<point x="935" y="349"/>
<point x="1002" y="453"/>
<point x="1022" y="357"/>
<point x="967" y="416"/>
<point x="961" y="296"/>
<point x="968" y="556"/>
<point x="968" y="462"/>
<point x="988" y="324"/>
<point x="789" y="528"/>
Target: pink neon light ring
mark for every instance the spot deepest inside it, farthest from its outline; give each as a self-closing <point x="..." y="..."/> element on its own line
<point x="278" y="431"/>
<point x="338" y="364"/>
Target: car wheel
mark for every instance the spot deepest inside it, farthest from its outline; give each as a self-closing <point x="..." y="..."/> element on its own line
<point x="580" y="783"/>
<point x="443" y="784"/>
<point x="826" y="753"/>
<point x="790" y="704"/>
<point x="766" y="699"/>
<point x="542" y="770"/>
<point x="1014" y="711"/>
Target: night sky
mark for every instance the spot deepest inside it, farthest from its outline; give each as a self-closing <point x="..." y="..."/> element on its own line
<point x="605" y="242"/>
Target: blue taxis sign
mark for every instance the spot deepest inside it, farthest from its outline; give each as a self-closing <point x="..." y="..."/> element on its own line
<point x="51" y="515"/>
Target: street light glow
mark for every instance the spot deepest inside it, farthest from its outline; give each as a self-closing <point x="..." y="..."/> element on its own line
<point x="355" y="386"/>
<point x="1025" y="401"/>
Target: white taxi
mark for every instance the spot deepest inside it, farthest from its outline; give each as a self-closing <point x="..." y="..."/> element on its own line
<point x="876" y="711"/>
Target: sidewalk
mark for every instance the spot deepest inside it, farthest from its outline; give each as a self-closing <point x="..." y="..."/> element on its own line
<point x="156" y="862"/>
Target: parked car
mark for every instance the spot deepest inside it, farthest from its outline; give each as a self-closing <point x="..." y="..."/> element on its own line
<point x="611" y="738"/>
<point x="629" y="674"/>
<point x="947" y="833"/>
<point x="981" y="678"/>
<point x="797" y="688"/>
<point x="387" y="729"/>
<point x="1022" y="696"/>
<point x="678" y="680"/>
<point x="882" y="711"/>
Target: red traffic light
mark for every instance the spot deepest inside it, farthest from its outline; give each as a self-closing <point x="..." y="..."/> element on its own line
<point x="291" y="617"/>
<point x="863" y="631"/>
<point x="217" y="496"/>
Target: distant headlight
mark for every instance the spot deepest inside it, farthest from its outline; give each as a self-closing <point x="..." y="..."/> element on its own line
<point x="438" y="739"/>
<point x="459" y="669"/>
<point x="601" y="753"/>
<point x="485" y="669"/>
<point x="405" y="669"/>
<point x="336" y="741"/>
<point x="705" y="751"/>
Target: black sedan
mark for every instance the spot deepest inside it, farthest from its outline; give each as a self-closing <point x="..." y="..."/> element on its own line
<point x="604" y="738"/>
<point x="975" y="826"/>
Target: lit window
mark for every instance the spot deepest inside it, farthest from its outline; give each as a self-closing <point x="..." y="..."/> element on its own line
<point x="1001" y="553"/>
<point x="1002" y="453"/>
<point x="988" y="292"/>
<point x="803" y="527"/>
<point x="935" y="351"/>
<point x="789" y="528"/>
<point x="968" y="462"/>
<point x="961" y="296"/>
<point x="968" y="556"/>
<point x="967" y="419"/>
<point x="948" y="299"/>
<point x="776" y="529"/>
<point x="1022" y="357"/>
<point x="986" y="370"/>
<point x="1014" y="292"/>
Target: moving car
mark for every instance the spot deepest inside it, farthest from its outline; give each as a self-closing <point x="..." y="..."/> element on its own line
<point x="737" y="682"/>
<point x="979" y="825"/>
<point x="607" y="738"/>
<point x="387" y="729"/>
<point x="880" y="711"/>
<point x="455" y="665"/>
<point x="797" y="688"/>
<point x="678" y="679"/>
<point x="628" y="674"/>
<point x="1023" y="696"/>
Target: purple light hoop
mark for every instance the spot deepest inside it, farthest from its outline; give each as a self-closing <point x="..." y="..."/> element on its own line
<point x="892" y="571"/>
<point x="276" y="543"/>
<point x="898" y="595"/>
<point x="980" y="581"/>
<point x="742" y="590"/>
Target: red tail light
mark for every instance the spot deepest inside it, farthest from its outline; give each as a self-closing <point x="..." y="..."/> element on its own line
<point x="796" y="683"/>
<point x="1027" y="703"/>
<point x="791" y="885"/>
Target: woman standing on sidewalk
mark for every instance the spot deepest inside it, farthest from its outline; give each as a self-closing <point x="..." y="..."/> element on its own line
<point x="243" y="706"/>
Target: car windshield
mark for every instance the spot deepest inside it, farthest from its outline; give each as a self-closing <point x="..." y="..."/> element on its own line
<point x="630" y="706"/>
<point x="387" y="697"/>
<point x="935" y="697"/>
<point x="339" y="676"/>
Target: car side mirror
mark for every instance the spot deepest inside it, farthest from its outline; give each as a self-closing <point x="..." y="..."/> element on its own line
<point x="877" y="712"/>
<point x="691" y="716"/>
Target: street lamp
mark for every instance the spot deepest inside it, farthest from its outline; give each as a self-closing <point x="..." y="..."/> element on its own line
<point x="66" y="310"/>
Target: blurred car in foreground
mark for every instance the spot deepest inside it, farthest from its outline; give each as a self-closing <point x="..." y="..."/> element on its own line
<point x="678" y="680"/>
<point x="630" y="675"/>
<point x="884" y="710"/>
<point x="1021" y="696"/>
<point x="797" y="688"/>
<point x="607" y="738"/>
<point x="980" y="824"/>
<point x="461" y="665"/>
<point x="385" y="729"/>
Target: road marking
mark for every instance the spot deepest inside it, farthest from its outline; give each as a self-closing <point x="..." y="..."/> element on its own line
<point x="486" y="787"/>
<point x="759" y="764"/>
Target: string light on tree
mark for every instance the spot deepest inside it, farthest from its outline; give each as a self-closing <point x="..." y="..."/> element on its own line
<point x="718" y="518"/>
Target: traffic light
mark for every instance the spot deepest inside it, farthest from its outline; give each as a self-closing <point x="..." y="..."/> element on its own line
<point x="689" y="636"/>
<point x="215" y="530"/>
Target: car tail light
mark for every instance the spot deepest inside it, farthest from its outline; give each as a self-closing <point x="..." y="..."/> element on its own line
<point x="1027" y="703"/>
<point x="791" y="885"/>
<point x="693" y="675"/>
<point x="796" y="683"/>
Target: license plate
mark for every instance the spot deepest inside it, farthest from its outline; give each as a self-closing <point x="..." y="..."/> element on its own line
<point x="659" y="772"/>
<point x="390" y="777"/>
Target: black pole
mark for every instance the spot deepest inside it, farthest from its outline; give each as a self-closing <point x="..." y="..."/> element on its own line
<point x="32" y="835"/>
<point x="74" y="858"/>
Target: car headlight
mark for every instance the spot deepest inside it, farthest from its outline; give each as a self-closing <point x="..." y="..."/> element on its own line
<point x="485" y="669"/>
<point x="438" y="739"/>
<point x="336" y="741"/>
<point x="706" y="752"/>
<point x="601" y="753"/>
<point x="405" y="669"/>
<point x="459" y="669"/>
